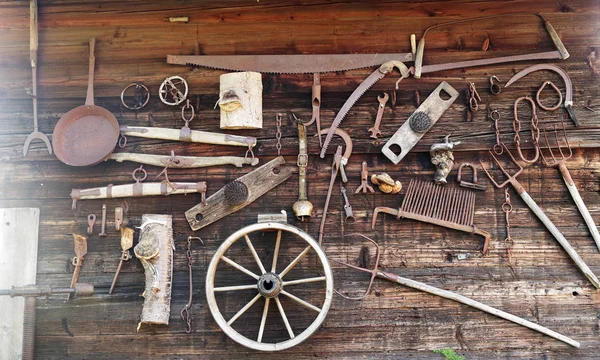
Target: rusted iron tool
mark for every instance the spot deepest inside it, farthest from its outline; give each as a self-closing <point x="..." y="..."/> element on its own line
<point x="302" y="208"/>
<point x="450" y="207"/>
<point x="186" y="311"/>
<point x="347" y="152"/>
<point x="494" y="86"/>
<point x="494" y="115"/>
<point x="507" y="209"/>
<point x="103" y="224"/>
<point x="535" y="131"/>
<point x="559" y="161"/>
<point x="80" y="289"/>
<point x="568" y="104"/>
<point x="33" y="49"/>
<point x="335" y="167"/>
<point x="376" y="272"/>
<point x="316" y="105"/>
<point x="364" y="177"/>
<point x="118" y="217"/>
<point x="139" y="188"/>
<point x="347" y="206"/>
<point x="474" y="97"/>
<point x="470" y="185"/>
<point x="126" y="244"/>
<point x="375" y="132"/>
<point x="91" y="221"/>
<point x="80" y="251"/>
<point x="512" y="179"/>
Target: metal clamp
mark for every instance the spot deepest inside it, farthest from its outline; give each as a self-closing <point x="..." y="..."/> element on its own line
<point x="471" y="185"/>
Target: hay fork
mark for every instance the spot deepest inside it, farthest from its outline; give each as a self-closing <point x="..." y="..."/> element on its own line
<point x="375" y="272"/>
<point x="559" y="162"/>
<point x="512" y="179"/>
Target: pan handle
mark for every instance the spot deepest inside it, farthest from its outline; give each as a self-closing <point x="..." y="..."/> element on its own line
<point x="89" y="99"/>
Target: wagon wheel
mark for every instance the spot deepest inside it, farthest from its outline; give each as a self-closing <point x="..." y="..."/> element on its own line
<point x="270" y="285"/>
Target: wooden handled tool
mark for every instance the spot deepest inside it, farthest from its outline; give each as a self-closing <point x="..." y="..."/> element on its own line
<point x="126" y="244"/>
<point x="80" y="252"/>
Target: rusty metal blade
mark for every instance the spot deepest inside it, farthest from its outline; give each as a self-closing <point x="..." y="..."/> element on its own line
<point x="497" y="60"/>
<point x="288" y="64"/>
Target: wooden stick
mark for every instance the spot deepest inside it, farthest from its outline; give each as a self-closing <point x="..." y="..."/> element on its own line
<point x="195" y="136"/>
<point x="182" y="162"/>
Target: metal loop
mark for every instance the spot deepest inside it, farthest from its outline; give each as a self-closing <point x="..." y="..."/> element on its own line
<point x="498" y="149"/>
<point x="556" y="89"/>
<point x="169" y="88"/>
<point x="494" y="87"/>
<point x="249" y="151"/>
<point x="184" y="108"/>
<point x="495" y="115"/>
<point x="122" y="141"/>
<point x="535" y="131"/>
<point x="507" y="207"/>
<point x="141" y="97"/>
<point x="474" y="97"/>
<point x="139" y="179"/>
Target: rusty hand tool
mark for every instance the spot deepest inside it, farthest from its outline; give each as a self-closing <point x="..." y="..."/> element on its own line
<point x="91" y="221"/>
<point x="344" y="160"/>
<point x="375" y="132"/>
<point x="126" y="244"/>
<point x="559" y="162"/>
<point x="335" y="167"/>
<point x="316" y="105"/>
<point x="103" y="224"/>
<point x="376" y="272"/>
<point x="185" y="312"/>
<point x="512" y="179"/>
<point x="535" y="131"/>
<point x="80" y="251"/>
<point x="494" y="87"/>
<point x="347" y="206"/>
<point x="474" y="97"/>
<point x="471" y="185"/>
<point x="568" y="104"/>
<point x="452" y="208"/>
<point x="364" y="184"/>
<point x="33" y="49"/>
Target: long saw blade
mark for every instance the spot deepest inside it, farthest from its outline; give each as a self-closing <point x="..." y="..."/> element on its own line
<point x="288" y="64"/>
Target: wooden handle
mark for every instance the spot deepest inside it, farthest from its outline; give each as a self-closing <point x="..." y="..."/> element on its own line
<point x="33" y="26"/>
<point x="419" y="57"/>
<point x="560" y="238"/>
<point x="195" y="136"/>
<point x="556" y="39"/>
<point x="89" y="99"/>
<point x="182" y="162"/>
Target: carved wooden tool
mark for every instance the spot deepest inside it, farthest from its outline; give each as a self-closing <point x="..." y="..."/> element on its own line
<point x="183" y="162"/>
<point x="238" y="193"/>
<point x="413" y="129"/>
<point x="80" y="252"/>
<point x="139" y="188"/>
<point x="155" y="251"/>
<point x="375" y="272"/>
<point x="126" y="244"/>
<point x="512" y="179"/>
<point x="445" y="206"/>
<point x="195" y="136"/>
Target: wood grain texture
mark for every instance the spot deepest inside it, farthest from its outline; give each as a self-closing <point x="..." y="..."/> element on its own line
<point x="540" y="283"/>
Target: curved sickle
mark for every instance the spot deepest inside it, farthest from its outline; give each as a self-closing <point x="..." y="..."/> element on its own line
<point x="344" y="135"/>
<point x="568" y="84"/>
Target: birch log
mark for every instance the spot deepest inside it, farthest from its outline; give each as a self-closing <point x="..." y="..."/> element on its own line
<point x="240" y="100"/>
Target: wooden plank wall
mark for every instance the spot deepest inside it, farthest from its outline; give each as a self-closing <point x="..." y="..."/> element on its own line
<point x="133" y="39"/>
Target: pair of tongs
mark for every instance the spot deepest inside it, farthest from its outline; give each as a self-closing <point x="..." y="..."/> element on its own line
<point x="512" y="179"/>
<point x="375" y="272"/>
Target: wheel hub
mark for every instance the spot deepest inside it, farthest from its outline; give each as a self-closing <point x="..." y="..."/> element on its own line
<point x="269" y="285"/>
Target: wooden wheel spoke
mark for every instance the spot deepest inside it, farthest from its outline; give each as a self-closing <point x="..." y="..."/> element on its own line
<point x="244" y="309"/>
<point x="263" y="321"/>
<point x="276" y="252"/>
<point x="235" y="288"/>
<point x="255" y="255"/>
<point x="304" y="281"/>
<point x="300" y="301"/>
<point x="294" y="262"/>
<point x="285" y="319"/>
<point x="239" y="267"/>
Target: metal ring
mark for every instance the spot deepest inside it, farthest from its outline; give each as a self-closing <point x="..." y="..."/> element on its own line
<point x="139" y="105"/>
<point x="140" y="169"/>
<point x="169" y="87"/>
<point x="122" y="141"/>
<point x="506" y="207"/>
<point x="556" y="89"/>
<point x="495" y="115"/>
<point x="494" y="88"/>
<point x="496" y="151"/>
<point x="187" y="106"/>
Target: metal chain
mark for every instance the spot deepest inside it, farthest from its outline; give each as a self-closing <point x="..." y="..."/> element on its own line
<point x="507" y="208"/>
<point x="495" y="116"/>
<point x="185" y="312"/>
<point x="535" y="131"/>
<point x="278" y="135"/>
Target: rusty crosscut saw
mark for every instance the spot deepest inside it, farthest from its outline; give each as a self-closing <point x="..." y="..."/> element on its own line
<point x="299" y="64"/>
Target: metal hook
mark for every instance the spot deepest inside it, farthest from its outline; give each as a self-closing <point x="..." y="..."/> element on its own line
<point x="494" y="87"/>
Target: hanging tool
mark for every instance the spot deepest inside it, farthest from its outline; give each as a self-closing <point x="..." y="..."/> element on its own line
<point x="118" y="218"/>
<point x="494" y="87"/>
<point x="195" y="136"/>
<point x="556" y="90"/>
<point x="278" y="119"/>
<point x="237" y="194"/>
<point x="103" y="224"/>
<point x="335" y="168"/>
<point x="568" y="104"/>
<point x="183" y="162"/>
<point x="186" y="311"/>
<point x="139" y="188"/>
<point x="470" y="185"/>
<point x="126" y="244"/>
<point x="302" y="208"/>
<point x="91" y="221"/>
<point x="33" y="49"/>
<point x="450" y="207"/>
<point x="347" y="206"/>
<point x="535" y="131"/>
<point x="316" y="105"/>
<point x="80" y="251"/>
<point x="559" y="161"/>
<point x="364" y="176"/>
<point x="507" y="209"/>
<point x="494" y="115"/>
<point x="140" y="97"/>
<point x="346" y="156"/>
<point x="173" y="90"/>
<point x="375" y="272"/>
<point x="80" y="289"/>
<point x="512" y="179"/>
<point x="474" y="97"/>
<point x="413" y="129"/>
<point x="375" y="132"/>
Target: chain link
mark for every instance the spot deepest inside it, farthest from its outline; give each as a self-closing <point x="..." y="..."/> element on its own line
<point x="535" y="131"/>
<point x="278" y="135"/>
<point x="507" y="208"/>
<point x="494" y="115"/>
<point x="185" y="312"/>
